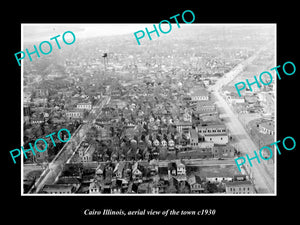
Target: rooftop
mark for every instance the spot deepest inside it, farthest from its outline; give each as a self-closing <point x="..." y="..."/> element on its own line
<point x="239" y="183"/>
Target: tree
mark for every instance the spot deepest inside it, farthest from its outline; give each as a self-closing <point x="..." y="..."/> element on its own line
<point x="184" y="188"/>
<point x="210" y="187"/>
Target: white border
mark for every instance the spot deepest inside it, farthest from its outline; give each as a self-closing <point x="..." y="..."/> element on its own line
<point x="164" y="194"/>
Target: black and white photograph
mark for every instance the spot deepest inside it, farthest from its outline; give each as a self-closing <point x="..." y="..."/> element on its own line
<point x="143" y="113"/>
<point x="162" y="117"/>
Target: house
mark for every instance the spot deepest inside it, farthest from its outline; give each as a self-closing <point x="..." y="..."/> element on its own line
<point x="156" y="143"/>
<point x="164" y="143"/>
<point x="100" y="170"/>
<point x="267" y="128"/>
<point x="136" y="172"/>
<point x="116" y="187"/>
<point x="85" y="152"/>
<point x="239" y="187"/>
<point x="37" y="120"/>
<point x="172" y="169"/>
<point x="171" y="144"/>
<point x="187" y="117"/>
<point x="177" y="169"/>
<point x="180" y="168"/>
<point x="119" y="169"/>
<point x="95" y="188"/>
<point x="195" y="184"/>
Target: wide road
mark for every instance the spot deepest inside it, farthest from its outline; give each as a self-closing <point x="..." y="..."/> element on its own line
<point x="55" y="167"/>
<point x="262" y="180"/>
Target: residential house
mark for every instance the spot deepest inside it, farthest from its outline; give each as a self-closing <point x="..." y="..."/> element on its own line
<point x="195" y="184"/>
<point x="100" y="170"/>
<point x="181" y="170"/>
<point x="116" y="187"/>
<point x="136" y="172"/>
<point x="85" y="152"/>
<point x="171" y="144"/>
<point x="119" y="169"/>
<point x="95" y="188"/>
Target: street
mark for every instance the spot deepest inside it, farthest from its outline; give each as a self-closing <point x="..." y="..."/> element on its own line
<point x="262" y="180"/>
<point x="55" y="167"/>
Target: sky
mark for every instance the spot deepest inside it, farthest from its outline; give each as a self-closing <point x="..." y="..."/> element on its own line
<point x="42" y="32"/>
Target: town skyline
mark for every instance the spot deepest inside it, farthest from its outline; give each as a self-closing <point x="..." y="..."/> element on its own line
<point x="160" y="118"/>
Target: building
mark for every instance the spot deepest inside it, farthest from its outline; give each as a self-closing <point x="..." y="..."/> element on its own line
<point x="95" y="188"/>
<point x="267" y="128"/>
<point x="37" y="120"/>
<point x="216" y="133"/>
<point x="75" y="114"/>
<point x="212" y="129"/>
<point x="239" y="187"/>
<point x="58" y="189"/>
<point x="219" y="139"/>
<point x="195" y="184"/>
<point x="234" y="98"/>
<point x="181" y="170"/>
<point x="183" y="127"/>
<point x="194" y="138"/>
<point x="199" y="94"/>
<point x="205" y="106"/>
<point x="85" y="152"/>
<point x="84" y="105"/>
